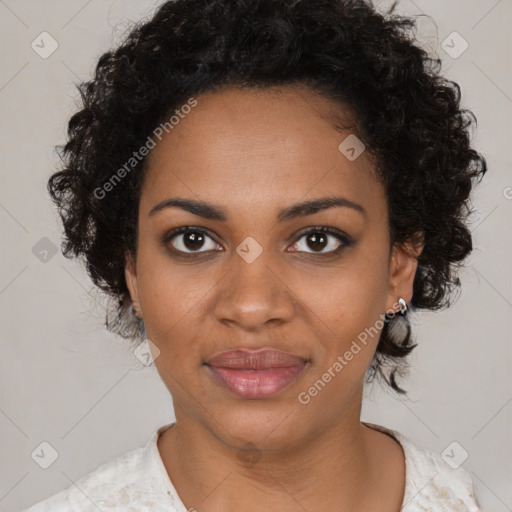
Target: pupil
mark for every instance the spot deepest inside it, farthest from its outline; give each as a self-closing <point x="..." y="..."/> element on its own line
<point x="193" y="240"/>
<point x="315" y="239"/>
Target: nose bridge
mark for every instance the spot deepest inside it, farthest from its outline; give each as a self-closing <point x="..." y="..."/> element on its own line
<point x="252" y="292"/>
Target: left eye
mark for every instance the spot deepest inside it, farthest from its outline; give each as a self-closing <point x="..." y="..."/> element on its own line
<point x="320" y="239"/>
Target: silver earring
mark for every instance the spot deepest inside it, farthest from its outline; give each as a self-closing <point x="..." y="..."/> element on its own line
<point x="135" y="313"/>
<point x="402" y="306"/>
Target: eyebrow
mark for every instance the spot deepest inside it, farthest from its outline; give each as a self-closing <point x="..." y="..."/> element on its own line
<point x="213" y="212"/>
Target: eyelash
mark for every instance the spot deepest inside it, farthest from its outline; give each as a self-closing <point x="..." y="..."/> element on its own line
<point x="345" y="241"/>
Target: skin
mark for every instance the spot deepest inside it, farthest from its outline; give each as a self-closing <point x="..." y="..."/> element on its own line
<point x="252" y="153"/>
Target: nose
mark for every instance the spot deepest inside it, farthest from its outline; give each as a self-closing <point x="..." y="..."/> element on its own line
<point x="254" y="295"/>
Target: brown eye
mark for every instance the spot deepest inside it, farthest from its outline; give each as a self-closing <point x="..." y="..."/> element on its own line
<point x="190" y="240"/>
<point x="317" y="241"/>
<point x="322" y="240"/>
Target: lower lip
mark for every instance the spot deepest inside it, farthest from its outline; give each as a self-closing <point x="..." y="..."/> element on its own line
<point x="256" y="383"/>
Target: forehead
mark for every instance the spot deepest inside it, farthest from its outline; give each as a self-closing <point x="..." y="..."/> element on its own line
<point x="257" y="147"/>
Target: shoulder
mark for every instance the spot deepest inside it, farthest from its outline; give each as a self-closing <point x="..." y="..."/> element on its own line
<point x="431" y="482"/>
<point x="112" y="486"/>
<point x="133" y="482"/>
<point x="434" y="482"/>
<point x="136" y="481"/>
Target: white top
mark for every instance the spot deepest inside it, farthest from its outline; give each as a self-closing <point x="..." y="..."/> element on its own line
<point x="138" y="481"/>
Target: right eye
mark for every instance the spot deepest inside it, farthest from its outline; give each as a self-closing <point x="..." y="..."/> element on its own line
<point x="188" y="240"/>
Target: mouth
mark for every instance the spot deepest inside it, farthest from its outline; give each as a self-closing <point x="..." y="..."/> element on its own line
<point x="255" y="374"/>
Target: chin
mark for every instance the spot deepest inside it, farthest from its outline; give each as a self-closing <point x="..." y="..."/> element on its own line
<point x="257" y="425"/>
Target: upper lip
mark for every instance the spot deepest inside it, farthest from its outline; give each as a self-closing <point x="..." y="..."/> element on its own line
<point x="245" y="359"/>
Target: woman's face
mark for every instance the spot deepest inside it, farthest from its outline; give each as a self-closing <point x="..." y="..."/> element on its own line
<point x="254" y="278"/>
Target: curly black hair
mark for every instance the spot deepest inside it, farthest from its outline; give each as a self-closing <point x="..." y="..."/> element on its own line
<point x="406" y="113"/>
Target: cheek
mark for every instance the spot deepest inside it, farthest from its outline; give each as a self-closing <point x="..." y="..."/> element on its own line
<point x="347" y="299"/>
<point x="171" y="297"/>
<point x="350" y="332"/>
<point x="350" y="307"/>
<point x="347" y="321"/>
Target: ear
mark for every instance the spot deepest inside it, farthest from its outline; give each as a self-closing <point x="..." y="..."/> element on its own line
<point x="402" y="270"/>
<point x="130" y="274"/>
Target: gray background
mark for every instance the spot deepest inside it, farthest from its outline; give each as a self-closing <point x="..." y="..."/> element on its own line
<point x="67" y="381"/>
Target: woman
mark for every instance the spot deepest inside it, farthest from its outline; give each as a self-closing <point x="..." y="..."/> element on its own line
<point x="266" y="188"/>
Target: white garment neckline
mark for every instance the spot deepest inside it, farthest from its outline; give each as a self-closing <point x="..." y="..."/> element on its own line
<point x="427" y="477"/>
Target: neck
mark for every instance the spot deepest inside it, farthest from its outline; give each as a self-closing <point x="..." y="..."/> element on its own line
<point x="334" y="469"/>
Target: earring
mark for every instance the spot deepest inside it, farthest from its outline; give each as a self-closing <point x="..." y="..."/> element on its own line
<point x="402" y="306"/>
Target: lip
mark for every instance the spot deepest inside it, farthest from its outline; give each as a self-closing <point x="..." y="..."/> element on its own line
<point x="255" y="374"/>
